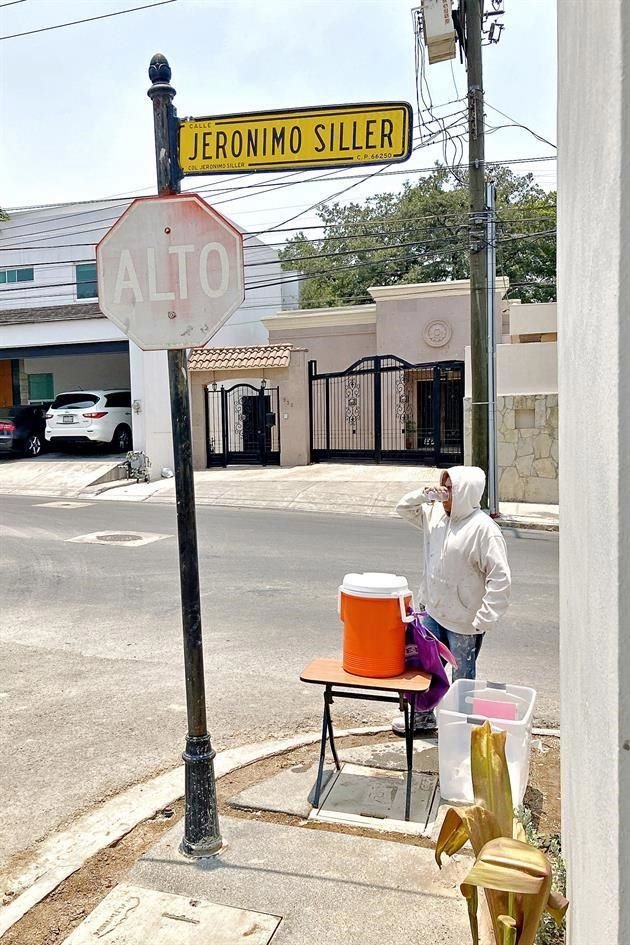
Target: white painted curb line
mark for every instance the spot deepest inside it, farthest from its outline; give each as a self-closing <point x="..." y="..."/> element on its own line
<point x="64" y="853"/>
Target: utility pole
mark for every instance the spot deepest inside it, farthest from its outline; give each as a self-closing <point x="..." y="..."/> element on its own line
<point x="201" y="821"/>
<point x="478" y="259"/>
<point x="491" y="295"/>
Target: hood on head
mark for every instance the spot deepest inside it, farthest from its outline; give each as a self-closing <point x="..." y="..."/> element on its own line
<point x="468" y="485"/>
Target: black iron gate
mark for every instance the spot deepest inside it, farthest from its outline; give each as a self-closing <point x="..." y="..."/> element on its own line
<point x="242" y="425"/>
<point x="385" y="410"/>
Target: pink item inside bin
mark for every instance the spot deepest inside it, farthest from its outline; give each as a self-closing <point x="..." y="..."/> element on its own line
<point x="494" y="710"/>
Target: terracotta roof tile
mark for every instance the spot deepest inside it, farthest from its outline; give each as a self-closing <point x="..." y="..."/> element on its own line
<point x="244" y="358"/>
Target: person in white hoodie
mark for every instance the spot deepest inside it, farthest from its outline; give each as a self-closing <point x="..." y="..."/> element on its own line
<point x="466" y="582"/>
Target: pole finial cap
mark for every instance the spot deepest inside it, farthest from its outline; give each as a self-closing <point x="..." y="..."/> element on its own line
<point x="159" y="69"/>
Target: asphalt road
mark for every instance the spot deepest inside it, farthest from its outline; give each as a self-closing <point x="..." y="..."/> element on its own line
<point x="91" y="691"/>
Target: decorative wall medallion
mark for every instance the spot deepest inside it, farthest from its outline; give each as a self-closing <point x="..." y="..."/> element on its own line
<point x="438" y="333"/>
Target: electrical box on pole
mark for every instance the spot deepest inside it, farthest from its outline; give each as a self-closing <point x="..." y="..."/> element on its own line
<point x="439" y="31"/>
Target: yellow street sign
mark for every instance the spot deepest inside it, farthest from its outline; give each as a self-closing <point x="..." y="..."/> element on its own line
<point x="303" y="138"/>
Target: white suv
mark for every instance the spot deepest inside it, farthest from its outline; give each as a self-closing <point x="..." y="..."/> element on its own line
<point x="91" y="416"/>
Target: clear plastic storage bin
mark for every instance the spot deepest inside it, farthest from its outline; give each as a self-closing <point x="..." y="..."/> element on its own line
<point x="470" y="702"/>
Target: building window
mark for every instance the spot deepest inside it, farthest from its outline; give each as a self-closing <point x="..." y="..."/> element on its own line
<point x="40" y="387"/>
<point x="8" y="276"/>
<point x="86" y="281"/>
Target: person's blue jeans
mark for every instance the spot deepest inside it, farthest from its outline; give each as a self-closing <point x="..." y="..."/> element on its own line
<point x="464" y="647"/>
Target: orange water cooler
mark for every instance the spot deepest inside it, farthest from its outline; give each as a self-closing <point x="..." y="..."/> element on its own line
<point x="373" y="610"/>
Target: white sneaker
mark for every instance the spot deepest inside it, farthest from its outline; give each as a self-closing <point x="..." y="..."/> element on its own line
<point x="423" y="722"/>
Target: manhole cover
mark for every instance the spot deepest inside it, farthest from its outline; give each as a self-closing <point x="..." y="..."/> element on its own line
<point x="130" y="539"/>
<point x="120" y="537"/>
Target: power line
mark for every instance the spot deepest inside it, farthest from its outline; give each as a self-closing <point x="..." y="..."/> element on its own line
<point x="380" y="229"/>
<point x="124" y="202"/>
<point x="450" y="249"/>
<point x="89" y="19"/>
<point x="273" y="280"/>
<point x="248" y="265"/>
<point x="457" y="248"/>
<point x="204" y="190"/>
<point x="255" y="186"/>
<point x="219" y="188"/>
<point x="517" y="124"/>
<point x="380" y="171"/>
<point x="226" y="180"/>
<point x="375" y="228"/>
<point x="444" y="248"/>
<point x="12" y="3"/>
<point x="276" y="228"/>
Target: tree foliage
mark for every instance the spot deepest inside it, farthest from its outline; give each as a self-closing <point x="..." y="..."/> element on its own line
<point x="421" y="234"/>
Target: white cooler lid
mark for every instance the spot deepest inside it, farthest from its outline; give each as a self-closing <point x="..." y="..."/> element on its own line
<point x="375" y="584"/>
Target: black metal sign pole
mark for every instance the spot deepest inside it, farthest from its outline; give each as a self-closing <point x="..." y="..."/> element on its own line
<point x="201" y="830"/>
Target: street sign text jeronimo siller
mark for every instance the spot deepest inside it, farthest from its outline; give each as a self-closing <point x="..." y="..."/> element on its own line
<point x="331" y="136"/>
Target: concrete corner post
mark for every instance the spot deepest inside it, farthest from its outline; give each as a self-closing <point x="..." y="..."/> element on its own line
<point x="594" y="394"/>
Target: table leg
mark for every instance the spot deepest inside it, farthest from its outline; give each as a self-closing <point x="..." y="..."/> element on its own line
<point x="322" y="749"/>
<point x="410" y="720"/>
<point x="331" y="734"/>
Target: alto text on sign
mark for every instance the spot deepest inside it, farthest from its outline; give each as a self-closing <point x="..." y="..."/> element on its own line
<point x="170" y="272"/>
<point x="330" y="136"/>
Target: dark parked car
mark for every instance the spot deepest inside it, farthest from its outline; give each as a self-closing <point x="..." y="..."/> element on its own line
<point x="22" y="430"/>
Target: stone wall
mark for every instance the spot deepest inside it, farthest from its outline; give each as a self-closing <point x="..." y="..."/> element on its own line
<point x="527" y="442"/>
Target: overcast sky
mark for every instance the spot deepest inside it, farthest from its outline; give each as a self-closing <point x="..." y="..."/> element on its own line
<point x="77" y="125"/>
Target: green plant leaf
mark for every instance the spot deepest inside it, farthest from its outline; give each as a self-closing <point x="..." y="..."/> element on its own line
<point x="476" y="824"/>
<point x="472" y="899"/>
<point x="507" y="926"/>
<point x="507" y="868"/>
<point x="490" y="776"/>
<point x="557" y="906"/>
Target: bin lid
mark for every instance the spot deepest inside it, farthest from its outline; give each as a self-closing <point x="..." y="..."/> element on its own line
<point x="374" y="584"/>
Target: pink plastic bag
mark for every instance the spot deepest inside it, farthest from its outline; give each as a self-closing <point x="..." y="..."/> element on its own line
<point x="491" y="709"/>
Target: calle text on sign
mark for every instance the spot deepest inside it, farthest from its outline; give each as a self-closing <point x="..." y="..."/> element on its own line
<point x="302" y="138"/>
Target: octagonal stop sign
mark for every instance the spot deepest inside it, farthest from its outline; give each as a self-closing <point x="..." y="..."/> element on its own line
<point x="170" y="272"/>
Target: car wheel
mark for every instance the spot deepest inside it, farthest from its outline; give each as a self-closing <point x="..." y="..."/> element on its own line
<point x="121" y="441"/>
<point x="33" y="445"/>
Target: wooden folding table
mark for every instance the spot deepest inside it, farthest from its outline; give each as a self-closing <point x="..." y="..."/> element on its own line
<point x="338" y="684"/>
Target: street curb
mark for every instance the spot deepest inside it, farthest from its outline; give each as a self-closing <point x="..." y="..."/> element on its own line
<point x="64" y="853"/>
<point x="294" y="505"/>
<point x="530" y="526"/>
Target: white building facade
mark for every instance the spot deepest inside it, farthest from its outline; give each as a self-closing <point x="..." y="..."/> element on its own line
<point x="594" y="389"/>
<point x="53" y="336"/>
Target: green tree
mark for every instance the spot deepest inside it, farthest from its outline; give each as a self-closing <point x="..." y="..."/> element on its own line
<point x="420" y="234"/>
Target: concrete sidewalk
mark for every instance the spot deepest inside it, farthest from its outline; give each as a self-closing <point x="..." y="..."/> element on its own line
<point x="319" y="886"/>
<point x="294" y="881"/>
<point x="344" y="488"/>
<point x="55" y="474"/>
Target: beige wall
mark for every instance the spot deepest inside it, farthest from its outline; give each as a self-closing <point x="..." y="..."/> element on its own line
<point x="420" y="323"/>
<point x="427" y="322"/>
<point x="293" y="407"/>
<point x="334" y="348"/>
<point x="533" y="318"/>
<point x="294" y="412"/>
<point x="524" y="369"/>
